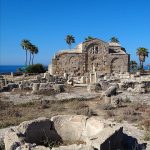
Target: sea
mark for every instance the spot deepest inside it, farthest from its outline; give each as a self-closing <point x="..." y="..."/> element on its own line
<point x="7" y="69"/>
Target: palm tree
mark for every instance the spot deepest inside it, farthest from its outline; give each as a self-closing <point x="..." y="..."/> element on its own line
<point x="142" y="53"/>
<point x="69" y="40"/>
<point x="25" y="45"/>
<point x="89" y="38"/>
<point x="133" y="65"/>
<point x="34" y="50"/>
<point x="30" y="50"/>
<point x="114" y="40"/>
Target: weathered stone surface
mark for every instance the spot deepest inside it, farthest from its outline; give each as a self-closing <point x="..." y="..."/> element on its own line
<point x="111" y="91"/>
<point x="91" y="55"/>
<point x="35" y="87"/>
<point x="83" y="80"/>
<point x="45" y="86"/>
<point x="90" y="132"/>
<point x="74" y="147"/>
<point x="93" y="127"/>
<point x="25" y="85"/>
<point x="59" y="88"/>
<point x="94" y="87"/>
<point x="104" y="84"/>
<point x="109" y="138"/>
<point x="74" y="123"/>
<point x="31" y="147"/>
<point x="11" y="140"/>
<point x="139" y="88"/>
<point x="9" y="87"/>
<point x="107" y="99"/>
<point x="36" y="131"/>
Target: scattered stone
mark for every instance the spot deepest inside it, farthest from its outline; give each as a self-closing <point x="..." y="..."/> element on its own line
<point x="111" y="91"/>
<point x="90" y="133"/>
<point x="94" y="87"/>
<point x="105" y="85"/>
<point x="59" y="88"/>
<point x="116" y="101"/>
<point x="35" y="87"/>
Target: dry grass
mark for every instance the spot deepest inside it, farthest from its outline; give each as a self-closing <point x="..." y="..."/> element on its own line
<point x="14" y="114"/>
<point x="131" y="112"/>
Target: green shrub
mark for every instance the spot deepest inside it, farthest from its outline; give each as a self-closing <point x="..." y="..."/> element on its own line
<point x="37" y="68"/>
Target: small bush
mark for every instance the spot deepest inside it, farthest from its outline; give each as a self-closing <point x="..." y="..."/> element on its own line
<point x="147" y="136"/>
<point x="130" y="115"/>
<point x="86" y="112"/>
<point x="28" y="104"/>
<point x="37" y="68"/>
<point x="107" y="107"/>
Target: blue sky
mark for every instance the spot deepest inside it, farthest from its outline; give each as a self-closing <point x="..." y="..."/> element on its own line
<point x="47" y="22"/>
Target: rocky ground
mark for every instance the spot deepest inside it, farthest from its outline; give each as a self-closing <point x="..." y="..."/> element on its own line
<point x="133" y="114"/>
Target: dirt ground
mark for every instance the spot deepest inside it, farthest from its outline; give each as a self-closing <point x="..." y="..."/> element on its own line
<point x="131" y="112"/>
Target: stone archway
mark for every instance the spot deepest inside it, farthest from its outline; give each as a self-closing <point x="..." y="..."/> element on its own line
<point x="116" y="65"/>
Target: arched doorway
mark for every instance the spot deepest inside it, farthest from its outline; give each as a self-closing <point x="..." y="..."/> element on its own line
<point x="116" y="65"/>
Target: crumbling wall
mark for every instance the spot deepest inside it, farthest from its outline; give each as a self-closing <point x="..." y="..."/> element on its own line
<point x="94" y="55"/>
<point x="71" y="63"/>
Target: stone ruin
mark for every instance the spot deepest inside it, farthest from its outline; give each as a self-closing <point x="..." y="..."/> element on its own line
<point x="42" y="82"/>
<point x="67" y="132"/>
<point x="91" y="55"/>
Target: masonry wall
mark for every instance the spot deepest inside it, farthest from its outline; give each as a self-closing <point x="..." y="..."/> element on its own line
<point x="96" y="55"/>
<point x="71" y="63"/>
<point x="117" y="63"/>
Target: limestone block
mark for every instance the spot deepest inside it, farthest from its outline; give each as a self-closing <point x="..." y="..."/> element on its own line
<point x="70" y="127"/>
<point x="46" y="76"/>
<point x="35" y="87"/>
<point x="87" y="80"/>
<point x="11" y="140"/>
<point x="109" y="138"/>
<point x="74" y="147"/>
<point x="90" y="133"/>
<point x="111" y="91"/>
<point x="107" y="100"/>
<point x="36" y="131"/>
<point x="93" y="127"/>
<point x="94" y="87"/>
<point x="83" y="80"/>
<point x="104" y="84"/>
<point x="59" y="87"/>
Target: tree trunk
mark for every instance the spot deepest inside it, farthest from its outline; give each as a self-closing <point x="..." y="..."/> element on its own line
<point x="142" y="65"/>
<point x="26" y="58"/>
<point x="70" y="46"/>
<point x="32" y="58"/>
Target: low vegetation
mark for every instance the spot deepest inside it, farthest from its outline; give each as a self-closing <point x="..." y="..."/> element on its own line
<point x="37" y="68"/>
<point x="132" y="112"/>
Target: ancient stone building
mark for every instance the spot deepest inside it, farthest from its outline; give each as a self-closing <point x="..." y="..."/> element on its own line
<point x="93" y="55"/>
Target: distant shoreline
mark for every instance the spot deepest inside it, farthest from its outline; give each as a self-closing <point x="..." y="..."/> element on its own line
<point x="7" y="69"/>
